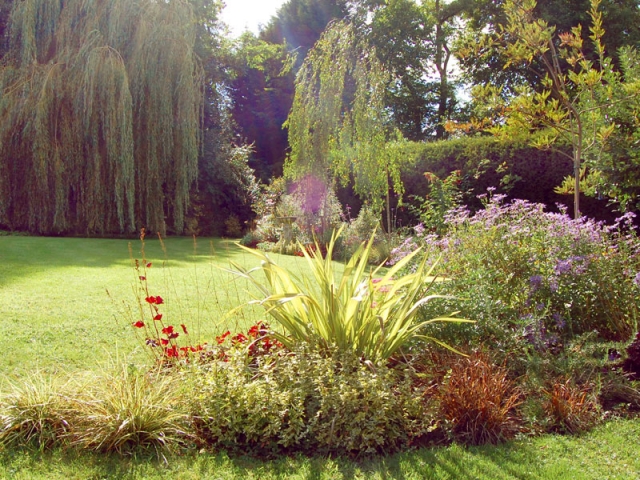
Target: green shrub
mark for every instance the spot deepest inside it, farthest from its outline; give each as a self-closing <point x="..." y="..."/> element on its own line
<point x="533" y="280"/>
<point x="360" y="230"/>
<point x="444" y="195"/>
<point x="233" y="228"/>
<point x="248" y="410"/>
<point x="513" y="166"/>
<point x="305" y="401"/>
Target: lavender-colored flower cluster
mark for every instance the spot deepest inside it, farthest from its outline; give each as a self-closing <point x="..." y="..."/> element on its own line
<point x="515" y="259"/>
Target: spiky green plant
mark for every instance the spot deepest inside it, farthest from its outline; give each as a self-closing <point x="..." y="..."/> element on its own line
<point x="35" y="410"/>
<point x="128" y="410"/>
<point x="364" y="310"/>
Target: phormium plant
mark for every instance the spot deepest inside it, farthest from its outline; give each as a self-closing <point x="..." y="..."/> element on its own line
<point x="365" y="311"/>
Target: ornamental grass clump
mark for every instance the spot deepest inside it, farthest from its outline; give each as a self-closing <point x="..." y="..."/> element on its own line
<point x="478" y="402"/>
<point x="573" y="409"/>
<point x="126" y="410"/>
<point x="368" y="311"/>
<point x="35" y="411"/>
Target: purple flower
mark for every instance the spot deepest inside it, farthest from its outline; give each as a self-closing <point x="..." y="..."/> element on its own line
<point x="636" y="280"/>
<point x="535" y="282"/>
<point x="563" y="266"/>
<point x="560" y="322"/>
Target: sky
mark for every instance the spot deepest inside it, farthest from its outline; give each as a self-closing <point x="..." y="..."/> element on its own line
<point x="243" y="14"/>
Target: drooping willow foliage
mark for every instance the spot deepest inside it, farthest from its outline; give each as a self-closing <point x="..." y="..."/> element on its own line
<point x="338" y="125"/>
<point x="100" y="113"/>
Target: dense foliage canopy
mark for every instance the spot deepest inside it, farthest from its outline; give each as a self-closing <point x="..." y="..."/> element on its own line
<point x="117" y="115"/>
<point x="101" y="110"/>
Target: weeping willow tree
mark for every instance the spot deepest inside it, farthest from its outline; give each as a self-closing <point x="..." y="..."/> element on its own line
<point x="100" y="113"/>
<point x="337" y="126"/>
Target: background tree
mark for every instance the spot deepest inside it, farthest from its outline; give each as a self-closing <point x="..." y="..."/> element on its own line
<point x="99" y="116"/>
<point x="298" y="24"/>
<point x="261" y="92"/>
<point x="412" y="42"/>
<point x="484" y="20"/>
<point x="226" y="182"/>
<point x="337" y="125"/>
<point x="263" y="70"/>
<point x="5" y="11"/>
<point x="573" y="106"/>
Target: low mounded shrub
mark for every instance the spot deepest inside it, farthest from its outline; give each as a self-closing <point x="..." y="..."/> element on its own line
<point x="305" y="401"/>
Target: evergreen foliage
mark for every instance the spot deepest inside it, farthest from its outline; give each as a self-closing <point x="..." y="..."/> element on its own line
<point x="99" y="116"/>
<point x="513" y="166"/>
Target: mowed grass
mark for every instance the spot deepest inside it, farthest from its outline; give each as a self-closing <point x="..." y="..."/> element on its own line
<point x="56" y="314"/>
<point x="608" y="452"/>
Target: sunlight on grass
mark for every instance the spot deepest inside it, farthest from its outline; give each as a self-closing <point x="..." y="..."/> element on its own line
<point x="56" y="311"/>
<point x="607" y="452"/>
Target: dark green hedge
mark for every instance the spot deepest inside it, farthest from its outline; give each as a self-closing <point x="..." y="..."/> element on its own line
<point x="484" y="162"/>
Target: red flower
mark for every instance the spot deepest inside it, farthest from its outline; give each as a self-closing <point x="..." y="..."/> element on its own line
<point x="154" y="300"/>
<point x="143" y="278"/>
<point x="173" y="335"/>
<point x="167" y="330"/>
<point x="164" y="341"/>
<point x="138" y="324"/>
<point x="220" y="339"/>
<point x="149" y="265"/>
<point x="254" y="331"/>
<point x="239" y="338"/>
<point x="171" y="351"/>
<point x="158" y="317"/>
<point x="184" y="329"/>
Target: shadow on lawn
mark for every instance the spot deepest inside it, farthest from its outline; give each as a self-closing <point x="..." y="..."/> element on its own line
<point x="502" y="462"/>
<point x="22" y="255"/>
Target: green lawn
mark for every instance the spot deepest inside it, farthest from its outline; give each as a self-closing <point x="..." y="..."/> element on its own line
<point x="609" y="452"/>
<point x="56" y="315"/>
<point x="55" y="312"/>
